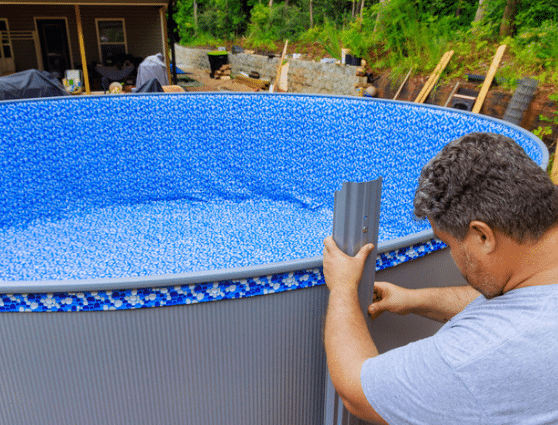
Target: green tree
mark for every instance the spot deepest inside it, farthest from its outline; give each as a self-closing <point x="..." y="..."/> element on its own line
<point x="508" y="19"/>
<point x="219" y="18"/>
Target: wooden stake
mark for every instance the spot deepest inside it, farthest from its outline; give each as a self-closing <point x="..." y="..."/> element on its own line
<point x="82" y="51"/>
<point x="434" y="77"/>
<point x="451" y="95"/>
<point x="489" y="77"/>
<point x="403" y="83"/>
<point x="554" y="171"/>
<point x="272" y="88"/>
<point x="430" y="78"/>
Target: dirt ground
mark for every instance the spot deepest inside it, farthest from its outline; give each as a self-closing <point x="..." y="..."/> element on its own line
<point x="204" y="83"/>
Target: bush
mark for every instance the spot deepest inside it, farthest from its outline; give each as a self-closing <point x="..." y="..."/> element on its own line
<point x="537" y="46"/>
<point x="406" y="35"/>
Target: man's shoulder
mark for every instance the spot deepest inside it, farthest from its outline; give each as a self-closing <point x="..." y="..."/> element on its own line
<point x="524" y="314"/>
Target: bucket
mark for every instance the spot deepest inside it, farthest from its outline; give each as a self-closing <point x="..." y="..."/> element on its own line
<point x="217" y="59"/>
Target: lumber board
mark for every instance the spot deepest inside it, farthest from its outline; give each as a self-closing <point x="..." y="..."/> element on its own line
<point x="278" y="72"/>
<point x="173" y="89"/>
<point x="554" y="171"/>
<point x="282" y="84"/>
<point x="437" y="76"/>
<point x="403" y="83"/>
<point x="420" y="96"/>
<point x="252" y="82"/>
<point x="489" y="77"/>
<point x="462" y="96"/>
<point x="434" y="77"/>
<point x="452" y="94"/>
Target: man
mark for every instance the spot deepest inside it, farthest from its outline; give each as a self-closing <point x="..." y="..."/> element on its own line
<point x="495" y="361"/>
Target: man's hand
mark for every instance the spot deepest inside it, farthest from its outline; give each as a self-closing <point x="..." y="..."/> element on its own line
<point x="392" y="298"/>
<point x="342" y="272"/>
<point x="439" y="304"/>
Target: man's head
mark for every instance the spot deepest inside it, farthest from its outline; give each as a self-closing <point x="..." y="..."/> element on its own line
<point x="488" y="178"/>
<point x="484" y="198"/>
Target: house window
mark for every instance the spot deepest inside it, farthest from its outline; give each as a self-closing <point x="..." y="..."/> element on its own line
<point x="111" y="36"/>
<point x="6" y="47"/>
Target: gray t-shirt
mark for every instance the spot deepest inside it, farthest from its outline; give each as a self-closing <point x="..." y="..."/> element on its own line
<point x="496" y="362"/>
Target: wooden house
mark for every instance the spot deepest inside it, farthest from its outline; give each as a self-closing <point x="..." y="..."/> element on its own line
<point x="58" y="35"/>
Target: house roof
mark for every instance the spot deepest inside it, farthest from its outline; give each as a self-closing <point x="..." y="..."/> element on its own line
<point x="89" y="2"/>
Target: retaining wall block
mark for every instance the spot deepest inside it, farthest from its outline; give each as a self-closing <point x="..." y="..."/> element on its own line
<point x="304" y="76"/>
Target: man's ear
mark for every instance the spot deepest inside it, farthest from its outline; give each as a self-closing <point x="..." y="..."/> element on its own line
<point x="481" y="236"/>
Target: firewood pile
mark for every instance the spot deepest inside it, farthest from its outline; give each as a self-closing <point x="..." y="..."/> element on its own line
<point x="223" y="73"/>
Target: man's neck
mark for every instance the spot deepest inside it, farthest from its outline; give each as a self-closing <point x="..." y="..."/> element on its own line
<point x="533" y="264"/>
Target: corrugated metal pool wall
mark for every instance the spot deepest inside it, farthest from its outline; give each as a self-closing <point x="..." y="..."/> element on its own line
<point x="250" y="361"/>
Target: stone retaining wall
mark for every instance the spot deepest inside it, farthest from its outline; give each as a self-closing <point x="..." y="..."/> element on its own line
<point x="304" y="76"/>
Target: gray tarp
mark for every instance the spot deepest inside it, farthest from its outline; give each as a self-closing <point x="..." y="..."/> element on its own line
<point x="29" y="84"/>
<point x="151" y="86"/>
<point x="152" y="67"/>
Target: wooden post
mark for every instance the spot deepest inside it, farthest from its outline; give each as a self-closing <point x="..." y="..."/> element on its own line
<point x="554" y="171"/>
<point x="279" y="67"/>
<point x="82" y="51"/>
<point x="489" y="77"/>
<point x="165" y="43"/>
<point x="38" y="53"/>
<point x="434" y="77"/>
<point x="403" y="83"/>
<point x="451" y="95"/>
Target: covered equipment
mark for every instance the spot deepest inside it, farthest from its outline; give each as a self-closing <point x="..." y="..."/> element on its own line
<point x="29" y="84"/>
<point x="153" y="67"/>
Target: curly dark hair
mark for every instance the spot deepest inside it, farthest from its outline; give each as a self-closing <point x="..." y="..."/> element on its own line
<point x="487" y="177"/>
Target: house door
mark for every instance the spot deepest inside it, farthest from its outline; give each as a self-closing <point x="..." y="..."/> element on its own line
<point x="7" y="64"/>
<point x="54" y="45"/>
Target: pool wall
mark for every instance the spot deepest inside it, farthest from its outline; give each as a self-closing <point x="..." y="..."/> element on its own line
<point x="241" y="345"/>
<point x="257" y="360"/>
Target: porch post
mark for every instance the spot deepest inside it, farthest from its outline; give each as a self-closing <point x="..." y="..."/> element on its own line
<point x="171" y="31"/>
<point x="82" y="51"/>
<point x="165" y="35"/>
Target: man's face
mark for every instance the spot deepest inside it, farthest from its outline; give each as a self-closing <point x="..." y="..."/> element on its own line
<point x="471" y="266"/>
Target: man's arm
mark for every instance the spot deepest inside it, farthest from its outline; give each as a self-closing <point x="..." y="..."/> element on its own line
<point x="348" y="343"/>
<point x="439" y="304"/>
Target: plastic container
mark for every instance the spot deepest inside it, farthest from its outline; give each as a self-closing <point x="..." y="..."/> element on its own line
<point x="217" y="59"/>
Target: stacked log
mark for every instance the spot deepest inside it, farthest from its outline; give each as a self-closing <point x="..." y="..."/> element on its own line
<point x="223" y="73"/>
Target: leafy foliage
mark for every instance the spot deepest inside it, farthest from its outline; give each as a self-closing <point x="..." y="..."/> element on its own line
<point x="280" y="22"/>
<point x="214" y="19"/>
<point x="546" y="130"/>
<point x="394" y="34"/>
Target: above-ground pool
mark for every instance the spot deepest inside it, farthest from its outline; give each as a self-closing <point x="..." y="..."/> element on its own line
<point x="147" y="186"/>
<point x="114" y="204"/>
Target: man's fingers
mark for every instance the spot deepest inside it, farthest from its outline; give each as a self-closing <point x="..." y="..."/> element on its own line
<point x="375" y="310"/>
<point x="329" y="242"/>
<point x="365" y="250"/>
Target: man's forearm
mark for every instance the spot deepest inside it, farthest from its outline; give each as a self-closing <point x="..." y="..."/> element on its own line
<point x="347" y="341"/>
<point x="442" y="304"/>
